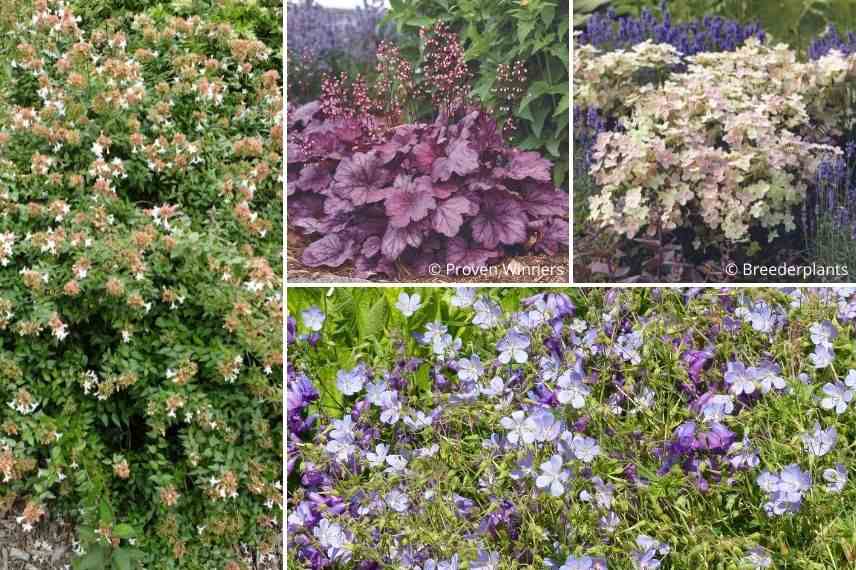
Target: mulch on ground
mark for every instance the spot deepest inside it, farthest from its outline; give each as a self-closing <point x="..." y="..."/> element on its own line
<point x="518" y="269"/>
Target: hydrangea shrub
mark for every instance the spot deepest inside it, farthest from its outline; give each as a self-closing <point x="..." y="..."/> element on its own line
<point x="571" y="429"/>
<point x="140" y="287"/>
<point x="723" y="147"/>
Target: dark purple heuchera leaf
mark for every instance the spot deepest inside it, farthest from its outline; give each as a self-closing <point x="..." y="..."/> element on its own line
<point x="461" y="160"/>
<point x="409" y="200"/>
<point x="304" y="113"/>
<point x="444" y="190"/>
<point x="553" y="235"/>
<point x="402" y="141"/>
<point x="334" y="206"/>
<point x="423" y="156"/>
<point x="331" y="250"/>
<point x="314" y="178"/>
<point x="296" y="153"/>
<point x="348" y="130"/>
<point x="396" y="240"/>
<point x="449" y="215"/>
<point x="306" y="206"/>
<point x="371" y="247"/>
<point x="523" y="165"/>
<point x="485" y="134"/>
<point x="463" y="254"/>
<point x="501" y="219"/>
<point x="544" y="201"/>
<point x="360" y="178"/>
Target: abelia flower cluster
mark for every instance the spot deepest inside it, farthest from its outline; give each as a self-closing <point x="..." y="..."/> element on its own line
<point x="446" y="192"/>
<point x="479" y="443"/>
<point x="720" y="146"/>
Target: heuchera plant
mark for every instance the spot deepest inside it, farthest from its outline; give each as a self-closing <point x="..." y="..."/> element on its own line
<point x="450" y="191"/>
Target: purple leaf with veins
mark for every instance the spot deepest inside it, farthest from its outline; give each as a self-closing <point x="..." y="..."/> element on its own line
<point x="545" y="201"/>
<point x="409" y="200"/>
<point x="423" y="155"/>
<point x="314" y="178"/>
<point x="525" y="165"/>
<point x="449" y="215"/>
<point x="462" y="254"/>
<point x="360" y="178"/>
<point x="396" y="240"/>
<point x="331" y="250"/>
<point x="500" y="220"/>
<point x="461" y="160"/>
<point x="371" y="247"/>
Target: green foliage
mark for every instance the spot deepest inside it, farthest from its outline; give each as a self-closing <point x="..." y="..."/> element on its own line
<point x="140" y="269"/>
<point x="499" y="32"/>
<point x="831" y="246"/>
<point x="583" y="9"/>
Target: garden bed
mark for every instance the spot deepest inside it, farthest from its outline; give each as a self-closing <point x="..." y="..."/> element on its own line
<point x="428" y="151"/>
<point x="585" y="429"/>
<point x="686" y="164"/>
<point x="520" y="269"/>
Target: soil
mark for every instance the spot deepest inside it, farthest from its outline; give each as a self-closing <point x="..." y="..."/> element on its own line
<point x="517" y="269"/>
<point x="49" y="547"/>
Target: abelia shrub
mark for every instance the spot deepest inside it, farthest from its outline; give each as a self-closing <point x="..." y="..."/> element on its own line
<point x="450" y="191"/>
<point x="725" y="147"/>
<point x="140" y="287"/>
